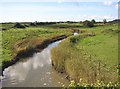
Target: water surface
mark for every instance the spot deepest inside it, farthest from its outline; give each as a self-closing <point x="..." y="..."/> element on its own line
<point x="35" y="71"/>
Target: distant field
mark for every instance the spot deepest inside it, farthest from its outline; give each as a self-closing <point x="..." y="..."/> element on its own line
<point x="87" y="57"/>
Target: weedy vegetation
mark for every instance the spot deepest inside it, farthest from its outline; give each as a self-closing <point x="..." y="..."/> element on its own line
<point x="92" y="55"/>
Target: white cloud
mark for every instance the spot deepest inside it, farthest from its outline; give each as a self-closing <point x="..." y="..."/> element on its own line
<point x="60" y="1"/>
<point x="96" y="17"/>
<point x="117" y="6"/>
<point x="56" y="0"/>
<point x="108" y="2"/>
<point x="108" y="17"/>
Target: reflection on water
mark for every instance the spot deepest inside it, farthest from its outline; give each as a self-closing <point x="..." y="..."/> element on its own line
<point x="34" y="72"/>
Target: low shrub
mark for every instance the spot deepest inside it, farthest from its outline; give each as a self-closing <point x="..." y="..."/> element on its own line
<point x="88" y="24"/>
<point x="18" y="25"/>
<point x="32" y="24"/>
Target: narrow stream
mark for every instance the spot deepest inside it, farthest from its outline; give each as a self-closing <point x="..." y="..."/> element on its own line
<point x="35" y="71"/>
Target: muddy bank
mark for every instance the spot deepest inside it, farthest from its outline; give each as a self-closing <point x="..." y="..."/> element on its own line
<point x="30" y="51"/>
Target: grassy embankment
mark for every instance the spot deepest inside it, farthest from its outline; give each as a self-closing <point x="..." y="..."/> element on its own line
<point x="17" y="40"/>
<point x="86" y="58"/>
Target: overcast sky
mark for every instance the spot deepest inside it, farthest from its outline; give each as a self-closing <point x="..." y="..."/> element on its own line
<point x="57" y="10"/>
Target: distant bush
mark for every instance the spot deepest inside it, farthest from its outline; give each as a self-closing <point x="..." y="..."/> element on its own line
<point x="88" y="24"/>
<point x="32" y="24"/>
<point x="18" y="25"/>
<point x="104" y="21"/>
<point x="93" y="21"/>
<point x="45" y="23"/>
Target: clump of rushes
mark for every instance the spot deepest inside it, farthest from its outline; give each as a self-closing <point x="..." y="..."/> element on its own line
<point x="97" y="85"/>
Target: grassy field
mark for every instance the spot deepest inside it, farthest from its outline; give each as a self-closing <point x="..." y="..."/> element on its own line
<point x="89" y="57"/>
<point x="15" y="40"/>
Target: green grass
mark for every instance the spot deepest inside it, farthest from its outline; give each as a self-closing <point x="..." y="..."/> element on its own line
<point x="89" y="57"/>
<point x="15" y="40"/>
<point x="104" y="47"/>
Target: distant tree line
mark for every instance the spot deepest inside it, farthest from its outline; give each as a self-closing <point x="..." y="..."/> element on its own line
<point x="41" y="23"/>
<point x="86" y="23"/>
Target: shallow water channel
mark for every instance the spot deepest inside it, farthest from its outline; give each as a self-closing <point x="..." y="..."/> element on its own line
<point x="35" y="71"/>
